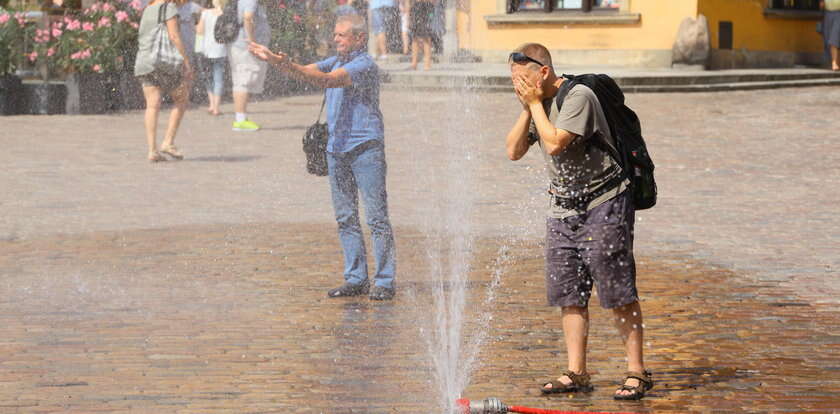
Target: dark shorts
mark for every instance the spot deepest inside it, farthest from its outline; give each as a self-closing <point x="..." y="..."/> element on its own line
<point x="595" y="247"/>
<point x="422" y="16"/>
<point x="167" y="82"/>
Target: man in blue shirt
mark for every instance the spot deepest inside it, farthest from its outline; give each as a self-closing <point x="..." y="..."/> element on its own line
<point x="355" y="152"/>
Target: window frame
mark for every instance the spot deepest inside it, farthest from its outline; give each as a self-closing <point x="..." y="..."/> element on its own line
<point x="588" y="6"/>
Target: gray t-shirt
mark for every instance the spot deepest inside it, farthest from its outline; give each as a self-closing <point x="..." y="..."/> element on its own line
<point x="262" y="31"/>
<point x="145" y="62"/>
<point x="581" y="168"/>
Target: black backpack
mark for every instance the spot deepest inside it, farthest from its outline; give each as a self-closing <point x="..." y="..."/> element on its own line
<point x="227" y="25"/>
<point x="630" y="151"/>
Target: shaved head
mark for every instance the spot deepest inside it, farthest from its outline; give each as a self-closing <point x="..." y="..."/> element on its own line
<point x="537" y="52"/>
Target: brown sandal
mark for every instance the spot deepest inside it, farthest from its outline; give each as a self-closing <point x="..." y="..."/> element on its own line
<point x="580" y="383"/>
<point x="636" y="392"/>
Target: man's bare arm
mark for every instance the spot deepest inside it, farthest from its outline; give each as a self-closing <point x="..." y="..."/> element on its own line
<point x="554" y="140"/>
<point x="517" y="138"/>
<point x="248" y="24"/>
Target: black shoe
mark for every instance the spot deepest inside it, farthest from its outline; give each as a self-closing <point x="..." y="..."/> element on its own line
<point x="349" y="289"/>
<point x="382" y="293"/>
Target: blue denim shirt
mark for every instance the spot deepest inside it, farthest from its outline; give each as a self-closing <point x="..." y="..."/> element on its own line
<point x="353" y="115"/>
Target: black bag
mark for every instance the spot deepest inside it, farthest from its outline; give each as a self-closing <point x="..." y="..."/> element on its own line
<point x="315" y="145"/>
<point x="630" y="151"/>
<point x="227" y="25"/>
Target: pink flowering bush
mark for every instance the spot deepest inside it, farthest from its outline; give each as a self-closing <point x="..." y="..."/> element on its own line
<point x="294" y="28"/>
<point x="12" y="30"/>
<point x="97" y="39"/>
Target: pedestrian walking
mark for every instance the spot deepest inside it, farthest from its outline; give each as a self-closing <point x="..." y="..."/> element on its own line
<point x="355" y="153"/>
<point x="162" y="15"/>
<point x="422" y="14"/>
<point x="589" y="232"/>
<point x="384" y="20"/>
<point x="215" y="56"/>
<point x="831" y="30"/>
<point x="247" y="72"/>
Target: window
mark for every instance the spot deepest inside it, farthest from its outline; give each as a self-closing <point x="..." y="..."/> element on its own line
<point x="562" y="5"/>
<point x="795" y="4"/>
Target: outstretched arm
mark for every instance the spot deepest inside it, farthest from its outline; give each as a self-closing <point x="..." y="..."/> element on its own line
<point x="338" y="78"/>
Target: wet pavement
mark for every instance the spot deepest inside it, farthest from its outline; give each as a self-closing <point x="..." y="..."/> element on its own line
<point x="199" y="286"/>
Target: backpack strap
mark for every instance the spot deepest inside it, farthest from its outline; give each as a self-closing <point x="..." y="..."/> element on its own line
<point x="590" y="80"/>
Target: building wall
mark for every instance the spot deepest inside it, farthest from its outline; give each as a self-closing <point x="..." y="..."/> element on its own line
<point x="759" y="40"/>
<point x="647" y="42"/>
<point x="754" y="31"/>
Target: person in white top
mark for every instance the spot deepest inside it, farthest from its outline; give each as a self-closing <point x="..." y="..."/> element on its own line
<point x="215" y="54"/>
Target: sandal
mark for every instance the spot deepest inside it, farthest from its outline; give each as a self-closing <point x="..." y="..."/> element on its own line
<point x="636" y="392"/>
<point x="580" y="383"/>
<point x="173" y="152"/>
<point x="156" y="157"/>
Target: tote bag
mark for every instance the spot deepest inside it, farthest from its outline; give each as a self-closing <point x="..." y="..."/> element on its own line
<point x="167" y="57"/>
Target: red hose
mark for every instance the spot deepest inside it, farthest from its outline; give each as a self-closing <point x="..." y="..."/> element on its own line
<point x="528" y="410"/>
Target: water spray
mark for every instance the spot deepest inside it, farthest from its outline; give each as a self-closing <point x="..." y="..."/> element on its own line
<point x="495" y="406"/>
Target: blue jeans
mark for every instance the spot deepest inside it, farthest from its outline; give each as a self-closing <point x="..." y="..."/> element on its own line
<point x="215" y="76"/>
<point x="362" y="171"/>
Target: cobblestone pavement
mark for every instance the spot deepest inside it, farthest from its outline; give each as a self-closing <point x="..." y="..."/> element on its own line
<point x="198" y="286"/>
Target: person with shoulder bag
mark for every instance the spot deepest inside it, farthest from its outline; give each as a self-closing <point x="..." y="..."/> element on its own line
<point x="355" y="153"/>
<point x="162" y="66"/>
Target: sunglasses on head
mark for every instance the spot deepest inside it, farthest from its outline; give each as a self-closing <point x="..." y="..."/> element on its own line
<point x="519" y="57"/>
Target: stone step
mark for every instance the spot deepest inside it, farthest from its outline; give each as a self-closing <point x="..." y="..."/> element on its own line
<point x="628" y="84"/>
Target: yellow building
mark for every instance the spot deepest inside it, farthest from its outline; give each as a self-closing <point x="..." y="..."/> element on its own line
<point x="641" y="33"/>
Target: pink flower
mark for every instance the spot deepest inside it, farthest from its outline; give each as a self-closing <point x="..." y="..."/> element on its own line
<point x="76" y="56"/>
<point x="4" y="18"/>
<point x="20" y="18"/>
<point x="94" y="7"/>
<point x="97" y="68"/>
<point x="107" y="7"/>
<point x="121" y="16"/>
<point x="86" y="53"/>
<point x="42" y="36"/>
<point x="297" y="18"/>
<point x="137" y="5"/>
<point x="282" y="4"/>
<point x="74" y="25"/>
<point x="50" y="51"/>
<point x="33" y="56"/>
<point x="56" y="32"/>
<point x="87" y="26"/>
<point x="134" y="25"/>
<point x="105" y="21"/>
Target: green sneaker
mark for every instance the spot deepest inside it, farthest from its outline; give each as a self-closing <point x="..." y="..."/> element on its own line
<point x="246" y="125"/>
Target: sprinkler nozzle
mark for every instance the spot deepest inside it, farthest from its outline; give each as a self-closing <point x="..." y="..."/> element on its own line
<point x="488" y="406"/>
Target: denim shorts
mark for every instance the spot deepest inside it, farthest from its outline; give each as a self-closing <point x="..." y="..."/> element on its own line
<point x="595" y="247"/>
<point x="378" y="17"/>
